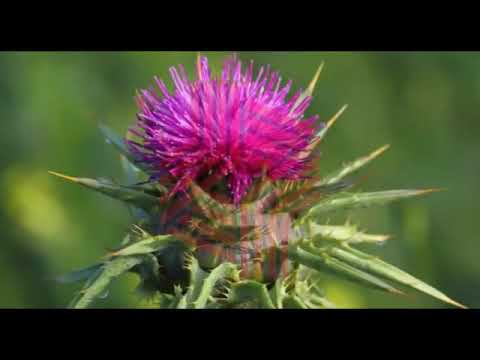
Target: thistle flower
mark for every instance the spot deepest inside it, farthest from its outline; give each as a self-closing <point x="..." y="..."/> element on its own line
<point x="264" y="242"/>
<point x="236" y="125"/>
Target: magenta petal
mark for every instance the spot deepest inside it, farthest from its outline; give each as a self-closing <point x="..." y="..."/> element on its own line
<point x="238" y="123"/>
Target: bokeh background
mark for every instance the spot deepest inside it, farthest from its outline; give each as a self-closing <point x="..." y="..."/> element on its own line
<point x="425" y="105"/>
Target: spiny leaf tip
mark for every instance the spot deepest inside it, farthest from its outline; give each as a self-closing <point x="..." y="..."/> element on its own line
<point x="62" y="176"/>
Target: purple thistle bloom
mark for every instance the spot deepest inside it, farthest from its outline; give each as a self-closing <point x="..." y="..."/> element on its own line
<point x="235" y="126"/>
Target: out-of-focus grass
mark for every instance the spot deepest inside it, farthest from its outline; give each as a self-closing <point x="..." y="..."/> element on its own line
<point x="423" y="104"/>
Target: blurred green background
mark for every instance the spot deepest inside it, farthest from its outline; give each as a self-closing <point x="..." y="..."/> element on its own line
<point x="424" y="104"/>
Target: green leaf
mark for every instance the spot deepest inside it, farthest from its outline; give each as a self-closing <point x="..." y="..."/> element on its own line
<point x="343" y="234"/>
<point x="123" y="193"/>
<point x="380" y="268"/>
<point x="183" y="302"/>
<point x="152" y="281"/>
<point x="292" y="301"/>
<point x="132" y="173"/>
<point x="137" y="181"/>
<point x="164" y="301"/>
<point x="351" y="167"/>
<point x="327" y="264"/>
<point x="148" y="245"/>
<point x="202" y="283"/>
<point x="250" y="291"/>
<point x="119" y="143"/>
<point x="180" y="300"/>
<point x="279" y="292"/>
<point x="100" y="280"/>
<point x="133" y="177"/>
<point x="79" y="275"/>
<point x="310" y="295"/>
<point x="197" y="276"/>
<point x="221" y="272"/>
<point x="350" y="201"/>
<point x="317" y="302"/>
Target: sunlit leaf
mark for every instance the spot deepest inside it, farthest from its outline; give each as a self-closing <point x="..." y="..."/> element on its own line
<point x="380" y="268"/>
<point x="346" y="201"/>
<point x="99" y="282"/>
<point x="351" y="167"/>
<point x="343" y="233"/>
<point x="250" y="291"/>
<point x="311" y="296"/>
<point x="79" y="275"/>
<point x="203" y="283"/>
<point x="279" y="292"/>
<point x="123" y="193"/>
<point x="292" y="301"/>
<point x="148" y="245"/>
<point x="327" y="264"/>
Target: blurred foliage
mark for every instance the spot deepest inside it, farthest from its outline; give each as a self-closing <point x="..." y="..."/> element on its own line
<point x="423" y="104"/>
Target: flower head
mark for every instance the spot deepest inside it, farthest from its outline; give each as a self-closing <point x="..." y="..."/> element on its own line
<point x="238" y="126"/>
